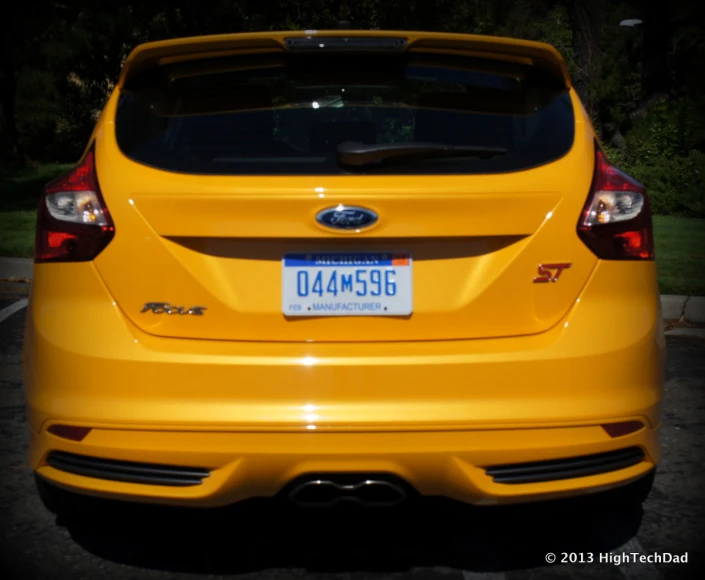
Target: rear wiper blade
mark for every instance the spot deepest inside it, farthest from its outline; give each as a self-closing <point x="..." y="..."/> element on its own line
<point x="356" y="154"/>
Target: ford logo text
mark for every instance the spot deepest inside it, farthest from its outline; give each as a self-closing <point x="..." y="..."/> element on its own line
<point x="346" y="217"/>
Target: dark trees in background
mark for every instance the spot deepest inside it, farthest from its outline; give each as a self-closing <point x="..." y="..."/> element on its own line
<point x="583" y="17"/>
<point x="10" y="155"/>
<point x="656" y="76"/>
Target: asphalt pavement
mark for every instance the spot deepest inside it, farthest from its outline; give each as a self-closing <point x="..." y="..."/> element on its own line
<point x="432" y="539"/>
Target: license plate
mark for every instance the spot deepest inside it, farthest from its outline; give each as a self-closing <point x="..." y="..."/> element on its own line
<point x="364" y="284"/>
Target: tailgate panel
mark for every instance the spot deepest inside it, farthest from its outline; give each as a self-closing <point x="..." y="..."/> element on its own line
<point x="218" y="242"/>
<point x="208" y="194"/>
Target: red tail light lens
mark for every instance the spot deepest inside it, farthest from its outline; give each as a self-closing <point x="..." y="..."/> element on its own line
<point x="73" y="223"/>
<point x="616" y="221"/>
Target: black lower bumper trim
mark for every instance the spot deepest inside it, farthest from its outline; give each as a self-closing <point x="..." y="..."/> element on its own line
<point x="568" y="468"/>
<point x="128" y="471"/>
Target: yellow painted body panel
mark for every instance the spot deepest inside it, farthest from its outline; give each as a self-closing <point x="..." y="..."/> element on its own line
<point x="489" y="369"/>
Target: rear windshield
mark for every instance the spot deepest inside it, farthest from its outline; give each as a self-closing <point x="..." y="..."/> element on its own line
<point x="286" y="114"/>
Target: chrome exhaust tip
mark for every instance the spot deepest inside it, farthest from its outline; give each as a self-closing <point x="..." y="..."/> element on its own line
<point x="327" y="493"/>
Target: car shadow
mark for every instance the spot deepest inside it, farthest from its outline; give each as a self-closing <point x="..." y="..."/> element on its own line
<point x="268" y="534"/>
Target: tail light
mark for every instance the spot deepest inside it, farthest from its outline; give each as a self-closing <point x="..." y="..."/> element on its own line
<point x="616" y="220"/>
<point x="73" y="223"/>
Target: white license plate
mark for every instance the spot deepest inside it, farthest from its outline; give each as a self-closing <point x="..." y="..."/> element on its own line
<point x="361" y="284"/>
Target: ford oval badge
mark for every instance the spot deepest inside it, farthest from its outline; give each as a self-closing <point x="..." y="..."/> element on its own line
<point x="346" y="217"/>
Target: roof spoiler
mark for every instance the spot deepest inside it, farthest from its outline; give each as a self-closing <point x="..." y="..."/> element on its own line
<point x="154" y="54"/>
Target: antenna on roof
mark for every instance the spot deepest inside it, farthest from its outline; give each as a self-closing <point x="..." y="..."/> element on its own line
<point x="344" y="17"/>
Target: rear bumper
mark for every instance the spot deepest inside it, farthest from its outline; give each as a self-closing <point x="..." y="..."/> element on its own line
<point x="258" y="415"/>
<point x="244" y="465"/>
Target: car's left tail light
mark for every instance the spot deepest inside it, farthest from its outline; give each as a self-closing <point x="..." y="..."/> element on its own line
<point x="73" y="223"/>
<point x="616" y="220"/>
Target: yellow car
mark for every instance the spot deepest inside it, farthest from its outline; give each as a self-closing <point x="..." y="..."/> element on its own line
<point x="341" y="267"/>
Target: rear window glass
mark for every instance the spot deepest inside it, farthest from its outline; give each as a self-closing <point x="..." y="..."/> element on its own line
<point x="286" y="114"/>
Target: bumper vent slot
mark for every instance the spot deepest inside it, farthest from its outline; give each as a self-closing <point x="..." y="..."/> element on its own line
<point x="566" y="468"/>
<point x="128" y="471"/>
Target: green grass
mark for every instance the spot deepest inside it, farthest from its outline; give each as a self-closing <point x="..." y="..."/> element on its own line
<point x="680" y="242"/>
<point x="680" y="254"/>
<point x="21" y="190"/>
<point x="19" y="194"/>
<point x="17" y="233"/>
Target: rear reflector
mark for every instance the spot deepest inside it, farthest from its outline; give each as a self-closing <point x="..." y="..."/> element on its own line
<point x="69" y="432"/>
<point x="616" y="220"/>
<point x="623" y="428"/>
<point x="73" y="223"/>
<point x="568" y="468"/>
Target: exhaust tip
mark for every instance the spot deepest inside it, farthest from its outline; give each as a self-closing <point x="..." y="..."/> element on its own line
<point x="331" y="491"/>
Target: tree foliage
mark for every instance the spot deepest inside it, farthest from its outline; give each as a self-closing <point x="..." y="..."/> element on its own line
<point x="643" y="86"/>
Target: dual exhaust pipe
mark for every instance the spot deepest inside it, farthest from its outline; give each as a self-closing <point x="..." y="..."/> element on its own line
<point x="366" y="492"/>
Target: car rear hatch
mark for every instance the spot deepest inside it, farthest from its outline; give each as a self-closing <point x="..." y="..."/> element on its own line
<point x="218" y="156"/>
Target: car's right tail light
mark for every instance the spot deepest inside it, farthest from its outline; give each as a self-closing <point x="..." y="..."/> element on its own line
<point x="616" y="220"/>
<point x="73" y="223"/>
